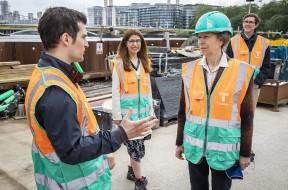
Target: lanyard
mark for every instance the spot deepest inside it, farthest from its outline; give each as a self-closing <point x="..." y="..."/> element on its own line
<point x="137" y="67"/>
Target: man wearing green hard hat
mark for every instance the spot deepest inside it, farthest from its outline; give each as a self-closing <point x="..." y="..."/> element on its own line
<point x="215" y="119"/>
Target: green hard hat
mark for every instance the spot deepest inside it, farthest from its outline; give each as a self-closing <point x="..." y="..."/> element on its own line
<point x="213" y="21"/>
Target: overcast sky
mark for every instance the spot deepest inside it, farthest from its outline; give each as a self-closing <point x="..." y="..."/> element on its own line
<point x="25" y="6"/>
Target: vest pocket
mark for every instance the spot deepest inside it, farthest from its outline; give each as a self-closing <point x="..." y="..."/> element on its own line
<point x="131" y="81"/>
<point x="243" y="52"/>
<point x="231" y="155"/>
<point x="235" y="133"/>
<point x="198" y="95"/>
<point x="229" y="136"/>
<point x="192" y="153"/>
<point x="193" y="130"/>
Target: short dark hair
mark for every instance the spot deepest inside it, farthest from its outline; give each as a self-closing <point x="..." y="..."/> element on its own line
<point x="56" y="21"/>
<point x="255" y="16"/>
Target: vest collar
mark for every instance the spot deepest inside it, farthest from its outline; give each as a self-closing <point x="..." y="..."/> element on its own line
<point x="223" y="62"/>
<point x="253" y="37"/>
<point x="47" y="60"/>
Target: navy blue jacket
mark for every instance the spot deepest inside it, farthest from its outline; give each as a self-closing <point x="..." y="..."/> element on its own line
<point x="56" y="112"/>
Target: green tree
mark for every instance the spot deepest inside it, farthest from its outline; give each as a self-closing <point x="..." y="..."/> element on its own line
<point x="277" y="23"/>
<point x="268" y="14"/>
<point x="274" y="15"/>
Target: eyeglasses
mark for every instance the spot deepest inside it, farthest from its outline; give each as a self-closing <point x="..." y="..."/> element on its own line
<point x="138" y="41"/>
<point x="248" y="21"/>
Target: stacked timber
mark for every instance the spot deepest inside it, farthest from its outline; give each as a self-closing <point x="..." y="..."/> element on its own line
<point x="12" y="73"/>
<point x="97" y="92"/>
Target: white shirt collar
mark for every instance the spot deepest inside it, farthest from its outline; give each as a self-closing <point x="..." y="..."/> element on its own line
<point x="223" y="62"/>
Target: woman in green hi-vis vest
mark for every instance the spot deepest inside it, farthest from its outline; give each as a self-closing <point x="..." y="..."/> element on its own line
<point x="215" y="120"/>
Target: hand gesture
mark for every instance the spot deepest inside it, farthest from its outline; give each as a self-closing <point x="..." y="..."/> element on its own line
<point x="137" y="128"/>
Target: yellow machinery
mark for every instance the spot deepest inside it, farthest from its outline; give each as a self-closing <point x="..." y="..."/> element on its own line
<point x="279" y="42"/>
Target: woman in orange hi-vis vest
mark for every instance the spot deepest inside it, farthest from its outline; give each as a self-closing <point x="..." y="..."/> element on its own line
<point x="131" y="90"/>
<point x="215" y="120"/>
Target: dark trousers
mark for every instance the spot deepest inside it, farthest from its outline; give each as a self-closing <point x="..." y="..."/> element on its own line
<point x="199" y="179"/>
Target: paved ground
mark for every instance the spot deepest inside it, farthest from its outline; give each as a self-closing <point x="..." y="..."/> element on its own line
<point x="163" y="170"/>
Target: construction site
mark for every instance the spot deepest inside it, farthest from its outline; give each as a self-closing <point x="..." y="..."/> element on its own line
<point x="21" y="47"/>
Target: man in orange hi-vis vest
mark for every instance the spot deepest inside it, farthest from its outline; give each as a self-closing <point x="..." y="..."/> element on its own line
<point x="253" y="49"/>
<point x="69" y="149"/>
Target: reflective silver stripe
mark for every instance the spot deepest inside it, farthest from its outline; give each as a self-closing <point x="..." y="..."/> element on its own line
<point x="47" y="182"/>
<point x="193" y="141"/>
<point x="186" y="81"/>
<point x="223" y="147"/>
<point x="241" y="75"/>
<point x="187" y="102"/>
<point x="214" y="122"/>
<point x="131" y="96"/>
<point x="264" y="46"/>
<point x="189" y="74"/>
<point x="52" y="157"/>
<point x="235" y="45"/>
<point x="84" y="121"/>
<point x="195" y="119"/>
<point x="35" y="88"/>
<point x="30" y="98"/>
<point x="142" y="110"/>
<point x="55" y="77"/>
<point x="34" y="148"/>
<point x="88" y="180"/>
<point x="224" y="123"/>
<point x="121" y="70"/>
<point x="74" y="184"/>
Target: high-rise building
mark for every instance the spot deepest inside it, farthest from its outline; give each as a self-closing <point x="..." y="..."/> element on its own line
<point x="4" y="8"/>
<point x="188" y="15"/>
<point x="117" y="15"/>
<point x="30" y="16"/>
<point x="4" y="11"/>
<point x="105" y="3"/>
<point x="39" y="14"/>
<point x="96" y="16"/>
<point x="162" y="15"/>
<point x="16" y="17"/>
<point x="110" y="2"/>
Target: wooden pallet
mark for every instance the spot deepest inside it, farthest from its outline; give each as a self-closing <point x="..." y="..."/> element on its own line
<point x="12" y="73"/>
<point x="9" y="63"/>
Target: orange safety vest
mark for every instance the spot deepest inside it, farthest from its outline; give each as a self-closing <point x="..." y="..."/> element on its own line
<point x="213" y="124"/>
<point x="241" y="51"/>
<point x="50" y="171"/>
<point x="133" y="95"/>
<point x="128" y="79"/>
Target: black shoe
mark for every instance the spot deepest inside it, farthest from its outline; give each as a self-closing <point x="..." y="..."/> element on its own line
<point x="148" y="137"/>
<point x="130" y="174"/>
<point x="140" y="184"/>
